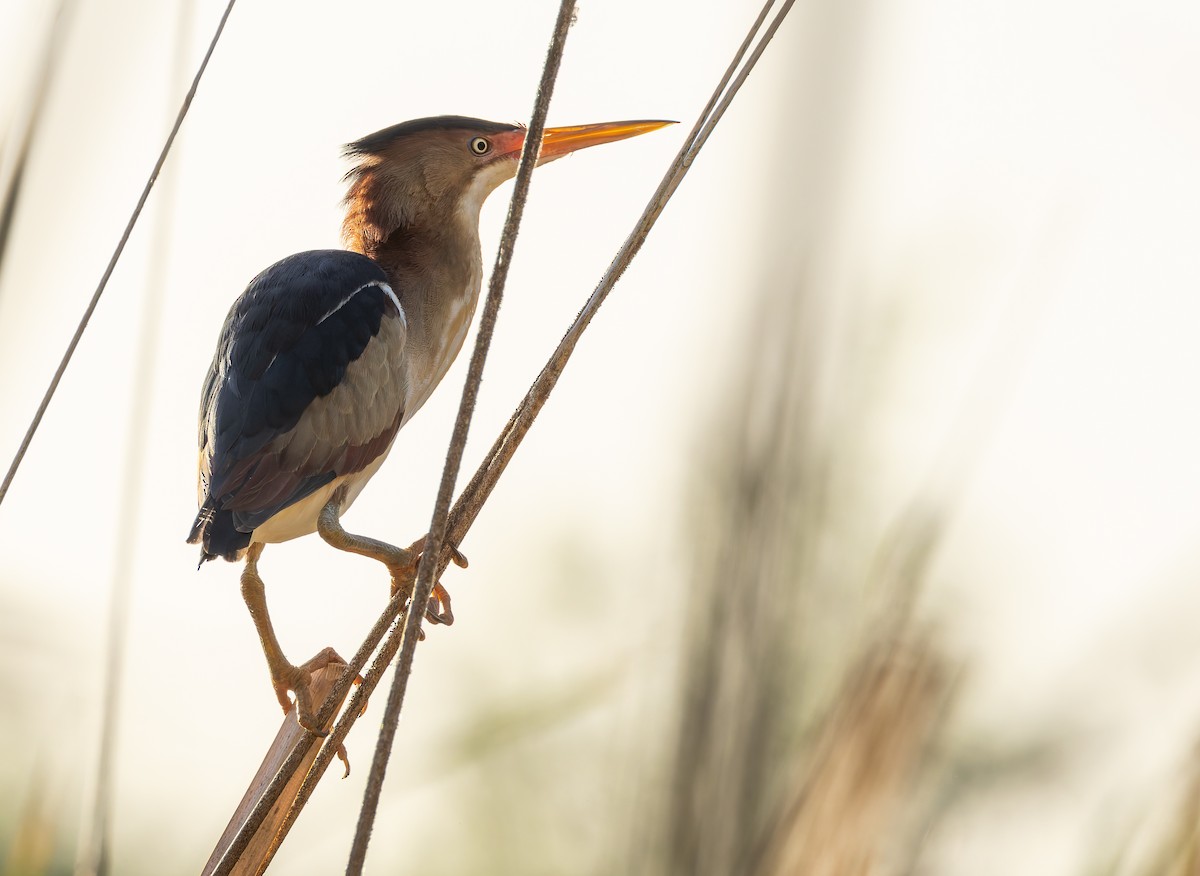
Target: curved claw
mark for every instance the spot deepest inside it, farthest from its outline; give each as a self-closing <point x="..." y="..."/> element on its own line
<point x="459" y="558"/>
<point x="456" y="556"/>
<point x="438" y="611"/>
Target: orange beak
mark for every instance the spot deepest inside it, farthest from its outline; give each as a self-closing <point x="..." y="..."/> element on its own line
<point x="557" y="142"/>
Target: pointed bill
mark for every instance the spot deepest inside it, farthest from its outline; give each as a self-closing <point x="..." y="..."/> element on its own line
<point x="557" y="142"/>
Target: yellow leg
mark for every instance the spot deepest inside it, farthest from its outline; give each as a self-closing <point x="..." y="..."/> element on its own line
<point x="284" y="676"/>
<point x="401" y="562"/>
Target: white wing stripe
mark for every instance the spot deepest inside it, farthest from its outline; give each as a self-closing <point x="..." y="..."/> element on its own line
<point x="384" y="286"/>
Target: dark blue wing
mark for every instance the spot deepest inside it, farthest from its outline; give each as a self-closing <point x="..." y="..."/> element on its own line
<point x="287" y="342"/>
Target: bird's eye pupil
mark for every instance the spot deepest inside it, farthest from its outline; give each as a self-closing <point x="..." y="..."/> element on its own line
<point x="480" y="146"/>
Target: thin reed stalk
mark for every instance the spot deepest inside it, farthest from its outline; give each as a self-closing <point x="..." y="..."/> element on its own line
<point x="94" y="856"/>
<point x="112" y="262"/>
<point x="465" y="510"/>
<point x="427" y="573"/>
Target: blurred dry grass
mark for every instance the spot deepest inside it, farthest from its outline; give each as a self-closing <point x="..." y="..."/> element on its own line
<point x="33" y="842"/>
<point x="806" y="710"/>
<point x="807" y="707"/>
<point x="809" y="697"/>
<point x="809" y="726"/>
<point x="852" y="812"/>
<point x="1165" y="840"/>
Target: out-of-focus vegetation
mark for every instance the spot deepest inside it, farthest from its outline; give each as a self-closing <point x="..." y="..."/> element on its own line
<point x="791" y="690"/>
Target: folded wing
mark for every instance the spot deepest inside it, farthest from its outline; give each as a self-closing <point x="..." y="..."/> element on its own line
<point x="307" y="385"/>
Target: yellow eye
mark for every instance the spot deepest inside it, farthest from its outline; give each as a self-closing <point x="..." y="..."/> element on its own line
<point x="480" y="146"/>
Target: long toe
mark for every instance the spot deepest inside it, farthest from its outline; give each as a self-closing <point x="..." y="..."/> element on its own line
<point x="298" y="681"/>
<point x="295" y="680"/>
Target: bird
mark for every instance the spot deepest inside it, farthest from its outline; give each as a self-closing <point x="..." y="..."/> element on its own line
<point x="328" y="353"/>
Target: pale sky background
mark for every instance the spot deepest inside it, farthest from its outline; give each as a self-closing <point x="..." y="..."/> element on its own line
<point x="1021" y="188"/>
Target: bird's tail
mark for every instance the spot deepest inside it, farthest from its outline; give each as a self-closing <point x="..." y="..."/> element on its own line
<point x="214" y="530"/>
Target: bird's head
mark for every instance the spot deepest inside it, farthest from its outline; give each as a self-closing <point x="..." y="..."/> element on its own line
<point x="424" y="172"/>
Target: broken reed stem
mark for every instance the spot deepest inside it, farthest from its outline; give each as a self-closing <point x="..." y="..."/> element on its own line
<point x="290" y="739"/>
<point x="274" y="790"/>
<point x="471" y="501"/>
<point x="427" y="572"/>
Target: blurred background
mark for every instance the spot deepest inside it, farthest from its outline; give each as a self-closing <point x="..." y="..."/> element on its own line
<point x="859" y="537"/>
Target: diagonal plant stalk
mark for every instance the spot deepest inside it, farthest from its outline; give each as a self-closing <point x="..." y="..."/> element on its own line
<point x="427" y="574"/>
<point x="469" y="504"/>
<point x="94" y="857"/>
<point x="112" y="262"/>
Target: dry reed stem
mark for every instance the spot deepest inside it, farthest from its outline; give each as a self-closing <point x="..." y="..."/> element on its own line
<point x="16" y="148"/>
<point x="842" y="819"/>
<point x="291" y="736"/>
<point x="1176" y="852"/>
<point x="94" y="855"/>
<point x="112" y="262"/>
<point x="428" y="570"/>
<point x="477" y="491"/>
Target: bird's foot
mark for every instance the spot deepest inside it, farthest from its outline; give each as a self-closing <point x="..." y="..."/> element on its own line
<point x="404" y="577"/>
<point x="401" y="562"/>
<point x="418" y="547"/>
<point x="298" y="681"/>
